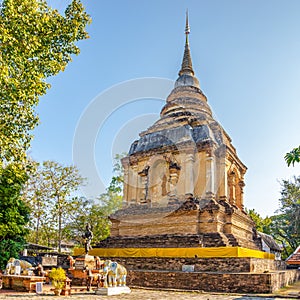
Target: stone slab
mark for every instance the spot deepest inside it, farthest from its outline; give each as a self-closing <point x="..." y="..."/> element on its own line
<point x="110" y="291"/>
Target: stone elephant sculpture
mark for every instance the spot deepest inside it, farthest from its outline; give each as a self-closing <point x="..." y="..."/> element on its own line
<point x="115" y="274"/>
<point x="13" y="263"/>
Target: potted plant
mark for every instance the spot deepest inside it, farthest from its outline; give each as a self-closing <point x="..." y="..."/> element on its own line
<point x="58" y="279"/>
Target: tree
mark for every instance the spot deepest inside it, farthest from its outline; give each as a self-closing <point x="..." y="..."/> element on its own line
<point x="34" y="196"/>
<point x="14" y="214"/>
<point x="52" y="199"/>
<point x="286" y="224"/>
<point x="293" y="156"/>
<point x="92" y="213"/>
<point x="262" y="224"/>
<point x="97" y="212"/>
<point x="111" y="200"/>
<point x="35" y="42"/>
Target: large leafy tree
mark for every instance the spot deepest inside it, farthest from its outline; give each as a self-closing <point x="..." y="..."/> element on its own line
<point x="57" y="213"/>
<point x="33" y="195"/>
<point x="35" y="42"/>
<point x="97" y="212"/>
<point x="286" y="224"/>
<point x="51" y="194"/>
<point x="89" y="212"/>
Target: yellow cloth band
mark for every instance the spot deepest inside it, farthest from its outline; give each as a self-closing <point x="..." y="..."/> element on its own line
<point x="176" y="252"/>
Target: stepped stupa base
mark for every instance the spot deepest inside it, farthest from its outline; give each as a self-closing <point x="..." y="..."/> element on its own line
<point x="218" y="269"/>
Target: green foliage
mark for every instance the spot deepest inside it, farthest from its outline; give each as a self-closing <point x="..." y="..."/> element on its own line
<point x="262" y="224"/>
<point x="286" y="224"/>
<point x="89" y="212"/>
<point x="14" y="214"/>
<point x="290" y="204"/>
<point x="293" y="156"/>
<point x="10" y="248"/>
<point x="35" y="42"/>
<point x="58" y="277"/>
<point x="57" y="213"/>
<point x="97" y="212"/>
<point x="50" y="194"/>
<point x="111" y="200"/>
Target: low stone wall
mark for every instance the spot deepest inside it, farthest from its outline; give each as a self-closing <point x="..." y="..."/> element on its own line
<point x="217" y="264"/>
<point x="217" y="282"/>
<point x="284" y="278"/>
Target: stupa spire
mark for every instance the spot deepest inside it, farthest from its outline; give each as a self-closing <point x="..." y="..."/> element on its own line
<point x="186" y="66"/>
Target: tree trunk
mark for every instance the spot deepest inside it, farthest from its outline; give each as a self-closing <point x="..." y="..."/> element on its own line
<point x="59" y="231"/>
<point x="37" y="230"/>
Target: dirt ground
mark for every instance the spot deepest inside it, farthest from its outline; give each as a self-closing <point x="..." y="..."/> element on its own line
<point x="291" y="292"/>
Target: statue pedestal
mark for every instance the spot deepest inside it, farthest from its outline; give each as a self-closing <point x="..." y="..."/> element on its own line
<point x="79" y="275"/>
<point x="84" y="261"/>
<point x="109" y="291"/>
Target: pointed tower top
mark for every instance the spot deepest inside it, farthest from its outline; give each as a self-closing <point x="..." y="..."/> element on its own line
<point x="187" y="26"/>
<point x="186" y="73"/>
<point x="186" y="66"/>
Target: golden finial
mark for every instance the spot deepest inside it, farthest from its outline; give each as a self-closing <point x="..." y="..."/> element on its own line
<point x="187" y="26"/>
<point x="186" y="66"/>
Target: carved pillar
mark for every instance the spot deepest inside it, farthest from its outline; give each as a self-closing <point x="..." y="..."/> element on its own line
<point x="222" y="178"/>
<point x="241" y="185"/>
<point x="210" y="176"/>
<point x="232" y="189"/>
<point x="189" y="174"/>
<point x="144" y="185"/>
<point x="134" y="184"/>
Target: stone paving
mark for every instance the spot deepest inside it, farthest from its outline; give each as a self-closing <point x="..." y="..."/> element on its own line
<point x="136" y="294"/>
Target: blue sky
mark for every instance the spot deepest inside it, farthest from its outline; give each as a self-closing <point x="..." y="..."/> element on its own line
<point x="246" y="55"/>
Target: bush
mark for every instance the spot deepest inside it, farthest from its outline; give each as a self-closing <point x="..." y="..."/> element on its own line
<point x="58" y="277"/>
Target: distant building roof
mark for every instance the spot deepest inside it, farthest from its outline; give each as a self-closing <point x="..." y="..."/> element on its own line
<point x="270" y="242"/>
<point x="37" y="247"/>
<point x="294" y="259"/>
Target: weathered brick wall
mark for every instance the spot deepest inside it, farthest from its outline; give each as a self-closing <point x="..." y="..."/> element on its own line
<point x="218" y="282"/>
<point x="164" y="241"/>
<point x="228" y="265"/>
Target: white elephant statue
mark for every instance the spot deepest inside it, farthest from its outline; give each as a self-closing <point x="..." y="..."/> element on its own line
<point x="17" y="267"/>
<point x="115" y="274"/>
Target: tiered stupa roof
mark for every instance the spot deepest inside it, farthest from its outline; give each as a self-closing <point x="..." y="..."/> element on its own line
<point x="186" y="116"/>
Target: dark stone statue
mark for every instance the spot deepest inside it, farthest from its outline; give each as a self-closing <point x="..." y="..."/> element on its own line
<point x="88" y="235"/>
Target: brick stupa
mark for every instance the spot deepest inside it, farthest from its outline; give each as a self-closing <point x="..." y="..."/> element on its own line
<point x="183" y="223"/>
<point x="183" y="180"/>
